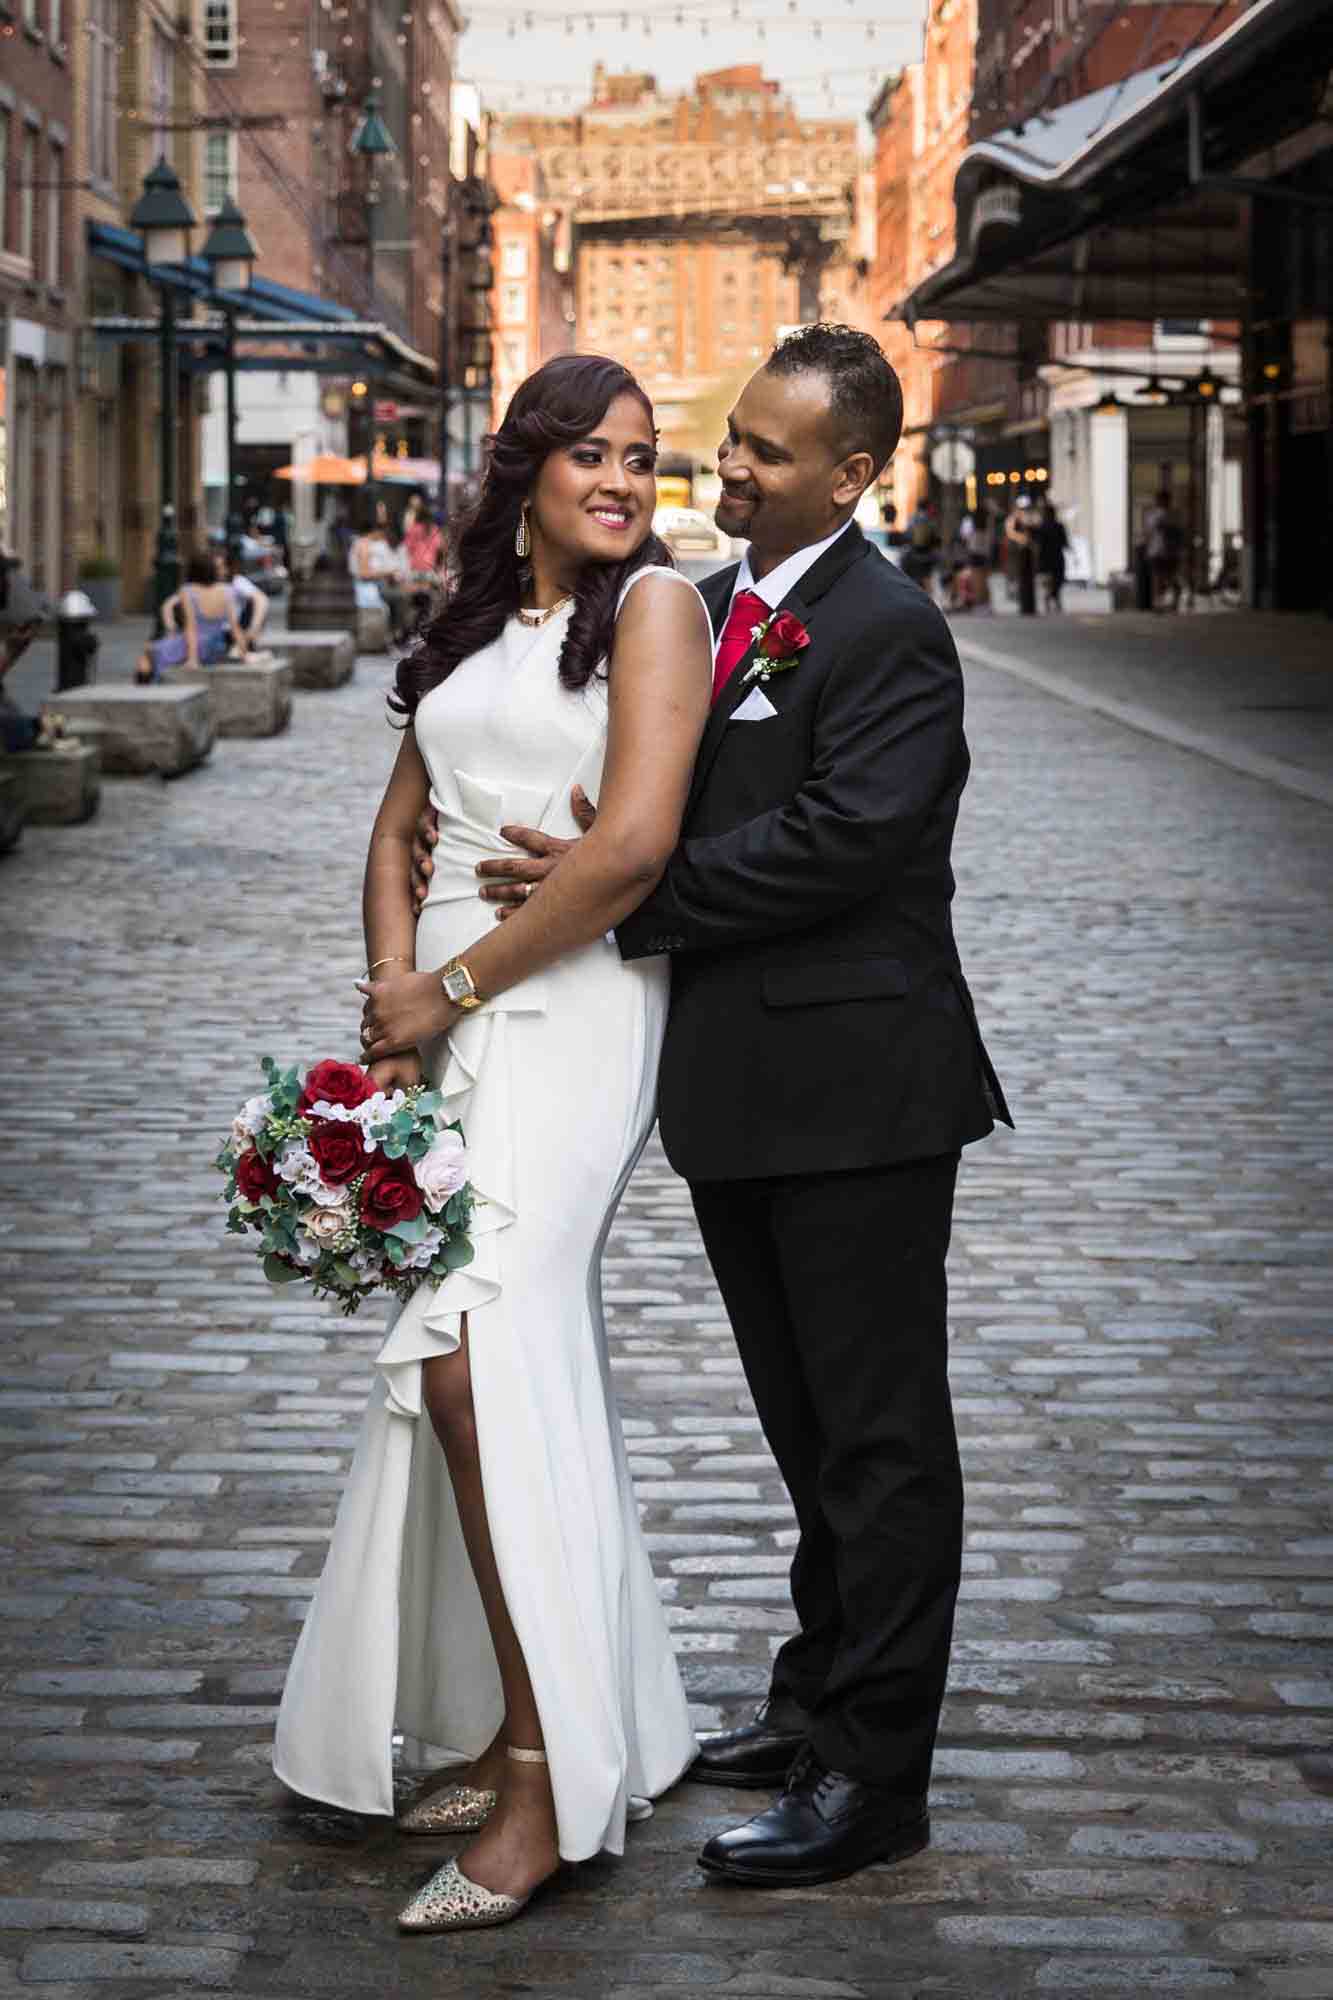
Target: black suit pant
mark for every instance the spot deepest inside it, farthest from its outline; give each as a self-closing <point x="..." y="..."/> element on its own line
<point x="835" y="1286"/>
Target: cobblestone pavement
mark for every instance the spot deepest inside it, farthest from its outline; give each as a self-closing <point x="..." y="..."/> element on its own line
<point x="1140" y="1288"/>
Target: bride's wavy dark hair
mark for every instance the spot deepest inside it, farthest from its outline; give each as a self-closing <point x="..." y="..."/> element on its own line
<point x="563" y="401"/>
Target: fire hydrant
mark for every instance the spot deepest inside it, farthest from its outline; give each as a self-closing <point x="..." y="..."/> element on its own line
<point x="76" y="642"/>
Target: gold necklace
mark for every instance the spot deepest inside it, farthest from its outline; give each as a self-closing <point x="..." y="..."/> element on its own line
<point x="540" y="617"/>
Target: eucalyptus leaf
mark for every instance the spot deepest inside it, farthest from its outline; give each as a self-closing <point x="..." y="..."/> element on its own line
<point x="411" y="1231"/>
<point x="280" y="1274"/>
<point x="457" y="1254"/>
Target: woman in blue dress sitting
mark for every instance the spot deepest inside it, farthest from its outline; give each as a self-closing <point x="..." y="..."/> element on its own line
<point x="199" y="624"/>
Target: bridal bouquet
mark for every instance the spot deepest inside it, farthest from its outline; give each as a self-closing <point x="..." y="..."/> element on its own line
<point x="353" y="1188"/>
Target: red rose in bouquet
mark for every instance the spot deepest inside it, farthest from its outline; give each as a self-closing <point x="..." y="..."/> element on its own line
<point x="338" y="1151"/>
<point x="785" y="636"/>
<point x="335" y="1083"/>
<point x="390" y="1195"/>
<point x="255" y="1176"/>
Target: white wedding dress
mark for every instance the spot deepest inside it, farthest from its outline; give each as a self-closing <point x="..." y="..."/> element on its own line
<point x="554" y="1083"/>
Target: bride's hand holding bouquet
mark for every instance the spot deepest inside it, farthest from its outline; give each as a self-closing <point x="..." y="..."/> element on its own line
<point x="401" y="1012"/>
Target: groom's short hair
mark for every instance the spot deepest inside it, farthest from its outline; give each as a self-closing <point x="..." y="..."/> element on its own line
<point x="864" y="391"/>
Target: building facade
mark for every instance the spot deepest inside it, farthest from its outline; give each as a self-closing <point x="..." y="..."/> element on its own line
<point x="1026" y="403"/>
<point x="288" y="91"/>
<point x="38" y="322"/>
<point x="139" y="96"/>
<point x="532" y="299"/>
<point x="702" y="224"/>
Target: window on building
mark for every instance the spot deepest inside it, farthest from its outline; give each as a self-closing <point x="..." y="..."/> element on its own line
<point x="514" y="260"/>
<point x="219" y="169"/>
<point x="30" y="15"/>
<point x="4" y="177"/>
<point x="513" y="302"/>
<point x="103" y="28"/>
<point x="514" y="354"/>
<point x="220" y="33"/>
<point x="55" y="23"/>
<point x="55" y="194"/>
<point x="27" y="192"/>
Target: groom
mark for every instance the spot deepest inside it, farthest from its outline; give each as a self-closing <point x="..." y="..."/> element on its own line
<point x="821" y="1070"/>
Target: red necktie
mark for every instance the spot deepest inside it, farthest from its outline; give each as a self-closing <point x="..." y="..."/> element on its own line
<point x="748" y="609"/>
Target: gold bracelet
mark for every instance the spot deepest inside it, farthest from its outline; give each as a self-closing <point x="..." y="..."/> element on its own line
<point x="394" y="958"/>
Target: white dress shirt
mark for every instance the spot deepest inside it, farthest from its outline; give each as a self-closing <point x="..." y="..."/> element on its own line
<point x="780" y="581"/>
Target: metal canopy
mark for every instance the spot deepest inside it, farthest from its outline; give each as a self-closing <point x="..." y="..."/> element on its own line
<point x="1095" y="212"/>
<point x="277" y="326"/>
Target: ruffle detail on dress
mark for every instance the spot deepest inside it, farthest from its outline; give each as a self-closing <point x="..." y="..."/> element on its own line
<point x="430" y="1323"/>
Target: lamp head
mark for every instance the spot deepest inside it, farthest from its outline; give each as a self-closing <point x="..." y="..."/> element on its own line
<point x="229" y="251"/>
<point x="163" y="216"/>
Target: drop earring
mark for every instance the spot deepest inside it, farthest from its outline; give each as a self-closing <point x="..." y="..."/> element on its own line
<point x="522" y="539"/>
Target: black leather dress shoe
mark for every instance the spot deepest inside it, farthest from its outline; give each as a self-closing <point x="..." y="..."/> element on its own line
<point x="756" y="1756"/>
<point x="825" y="1825"/>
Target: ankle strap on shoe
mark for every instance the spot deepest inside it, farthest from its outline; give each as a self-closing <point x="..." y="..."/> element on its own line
<point x="525" y="1756"/>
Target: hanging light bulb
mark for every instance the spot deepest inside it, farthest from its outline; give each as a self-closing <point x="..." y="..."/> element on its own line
<point x="1153" y="391"/>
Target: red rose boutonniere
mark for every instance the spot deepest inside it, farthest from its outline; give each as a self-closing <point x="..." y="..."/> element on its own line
<point x="782" y="639"/>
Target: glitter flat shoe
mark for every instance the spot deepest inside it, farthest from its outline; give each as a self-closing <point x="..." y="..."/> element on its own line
<point x="451" y="1809"/>
<point x="450" y="1902"/>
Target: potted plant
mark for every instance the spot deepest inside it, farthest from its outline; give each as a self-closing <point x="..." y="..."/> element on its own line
<point x="100" y="577"/>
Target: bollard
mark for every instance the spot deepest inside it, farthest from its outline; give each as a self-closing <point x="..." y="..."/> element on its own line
<point x="76" y="642"/>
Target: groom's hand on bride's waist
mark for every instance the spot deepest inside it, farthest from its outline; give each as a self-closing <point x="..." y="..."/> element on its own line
<point x="424" y="836"/>
<point x="508" y="881"/>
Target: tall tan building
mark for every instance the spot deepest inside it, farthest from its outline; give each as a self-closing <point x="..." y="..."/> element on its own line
<point x="681" y="209"/>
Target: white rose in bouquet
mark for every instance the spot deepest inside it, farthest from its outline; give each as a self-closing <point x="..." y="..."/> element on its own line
<point x="442" y="1171"/>
<point x="250" y="1119"/>
<point x="325" y="1225"/>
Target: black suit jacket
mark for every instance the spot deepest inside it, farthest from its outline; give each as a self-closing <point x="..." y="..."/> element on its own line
<point x="819" y="1017"/>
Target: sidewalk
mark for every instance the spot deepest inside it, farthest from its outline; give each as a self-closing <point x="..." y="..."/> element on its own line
<point x="1253" y="690"/>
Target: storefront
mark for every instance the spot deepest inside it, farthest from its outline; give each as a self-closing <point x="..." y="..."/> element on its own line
<point x="1185" y="194"/>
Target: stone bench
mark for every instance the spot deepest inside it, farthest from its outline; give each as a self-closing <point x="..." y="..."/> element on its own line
<point x="372" y="629"/>
<point x="250" y="697"/>
<point x="157" y="728"/>
<point x="56" y="787"/>
<point x="317" y="659"/>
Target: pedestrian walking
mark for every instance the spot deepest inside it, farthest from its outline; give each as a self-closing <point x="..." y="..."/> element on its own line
<point x="1021" y="539"/>
<point x="821" y="1070"/>
<point x="1052" y="549"/>
<point x="1164" y="541"/>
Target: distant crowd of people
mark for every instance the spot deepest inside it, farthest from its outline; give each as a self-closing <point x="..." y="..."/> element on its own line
<point x="1029" y="545"/>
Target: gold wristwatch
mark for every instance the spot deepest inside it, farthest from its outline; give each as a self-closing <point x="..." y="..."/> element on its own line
<point x="459" y="986"/>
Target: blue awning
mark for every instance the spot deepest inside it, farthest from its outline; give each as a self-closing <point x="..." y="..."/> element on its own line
<point x="328" y="337"/>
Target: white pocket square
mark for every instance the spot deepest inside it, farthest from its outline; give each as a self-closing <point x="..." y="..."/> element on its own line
<point x="755" y="708"/>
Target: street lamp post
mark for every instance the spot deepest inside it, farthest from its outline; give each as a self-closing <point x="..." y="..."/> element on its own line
<point x="164" y="219"/>
<point x="372" y="141"/>
<point x="230" y="255"/>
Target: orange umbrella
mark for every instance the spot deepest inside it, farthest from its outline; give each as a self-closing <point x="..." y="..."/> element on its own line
<point x="327" y="470"/>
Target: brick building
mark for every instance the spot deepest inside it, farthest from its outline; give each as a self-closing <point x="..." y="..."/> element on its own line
<point x="533" y="295"/>
<point x="1020" y="396"/>
<point x="138" y="84"/>
<point x="691" y="311"/>
<point x="359" y="233"/>
<point x="37" y="320"/>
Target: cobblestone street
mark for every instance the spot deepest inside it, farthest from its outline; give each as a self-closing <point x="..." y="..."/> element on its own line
<point x="1125" y="1803"/>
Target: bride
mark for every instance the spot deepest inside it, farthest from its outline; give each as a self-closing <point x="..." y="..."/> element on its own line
<point x="487" y="1590"/>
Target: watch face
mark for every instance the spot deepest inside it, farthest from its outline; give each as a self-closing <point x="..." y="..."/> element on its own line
<point x="457" y="984"/>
